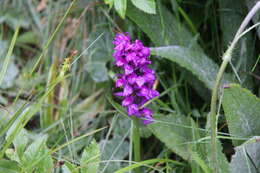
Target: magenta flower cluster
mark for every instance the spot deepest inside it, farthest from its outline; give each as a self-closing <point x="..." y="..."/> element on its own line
<point x="137" y="79"/>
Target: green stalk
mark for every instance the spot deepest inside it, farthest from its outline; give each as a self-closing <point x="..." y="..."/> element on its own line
<point x="213" y="106"/>
<point x="9" y="54"/>
<point x="52" y="37"/>
<point x="136" y="142"/>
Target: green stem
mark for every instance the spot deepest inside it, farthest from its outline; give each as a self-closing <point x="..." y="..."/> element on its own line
<point x="213" y="119"/>
<point x="136" y="142"/>
<point x="213" y="106"/>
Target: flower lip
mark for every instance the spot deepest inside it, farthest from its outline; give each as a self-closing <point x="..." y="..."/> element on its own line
<point x="127" y="101"/>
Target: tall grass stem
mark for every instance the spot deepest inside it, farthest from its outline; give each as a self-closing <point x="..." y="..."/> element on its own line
<point x="136" y="143"/>
<point x="213" y="106"/>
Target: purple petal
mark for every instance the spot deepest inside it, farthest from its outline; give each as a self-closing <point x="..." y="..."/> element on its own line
<point x="131" y="57"/>
<point x="132" y="109"/>
<point x="140" y="81"/>
<point x="128" y="100"/>
<point x="147" y="113"/>
<point x="122" y="37"/>
<point x="120" y="62"/>
<point x="153" y="93"/>
<point x="119" y="94"/>
<point x="128" y="69"/>
<point x="146" y="69"/>
<point x="120" y="46"/>
<point x="120" y="83"/>
<point x="149" y="77"/>
<point x="146" y="51"/>
<point x="143" y="92"/>
<point x="128" y="90"/>
<point x="143" y="100"/>
<point x="132" y="78"/>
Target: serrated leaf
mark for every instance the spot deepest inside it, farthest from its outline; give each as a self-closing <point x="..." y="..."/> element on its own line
<point x="20" y="142"/>
<point x="241" y="109"/>
<point x="147" y="6"/>
<point x="36" y="157"/>
<point x="247" y="157"/>
<point x="194" y="61"/>
<point x="7" y="166"/>
<point x="21" y="139"/>
<point x="120" y="6"/>
<point x="90" y="158"/>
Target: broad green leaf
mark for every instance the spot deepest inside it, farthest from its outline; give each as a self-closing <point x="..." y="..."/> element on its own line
<point x="29" y="37"/>
<point x="21" y="139"/>
<point x="175" y="132"/>
<point x="242" y="110"/>
<point x="99" y="54"/>
<point x="181" y="135"/>
<point x="7" y="166"/>
<point x="147" y="6"/>
<point x="20" y="142"/>
<point x="13" y="17"/>
<point x="98" y="71"/>
<point x="36" y="157"/>
<point x="194" y="61"/>
<point x="12" y="155"/>
<point x="120" y="6"/>
<point x="247" y="157"/>
<point x="90" y="158"/>
<point x="164" y="29"/>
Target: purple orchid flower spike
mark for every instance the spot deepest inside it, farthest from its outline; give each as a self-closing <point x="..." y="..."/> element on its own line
<point x="137" y="79"/>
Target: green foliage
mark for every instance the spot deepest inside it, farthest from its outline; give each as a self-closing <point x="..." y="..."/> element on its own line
<point x="247" y="157"/>
<point x="8" y="71"/>
<point x="230" y="19"/>
<point x="8" y="166"/>
<point x="147" y="6"/>
<point x="90" y="158"/>
<point x="36" y="157"/>
<point x="49" y="116"/>
<point x="176" y="134"/>
<point x="242" y="112"/>
<point x="196" y="62"/>
<point x="120" y="6"/>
